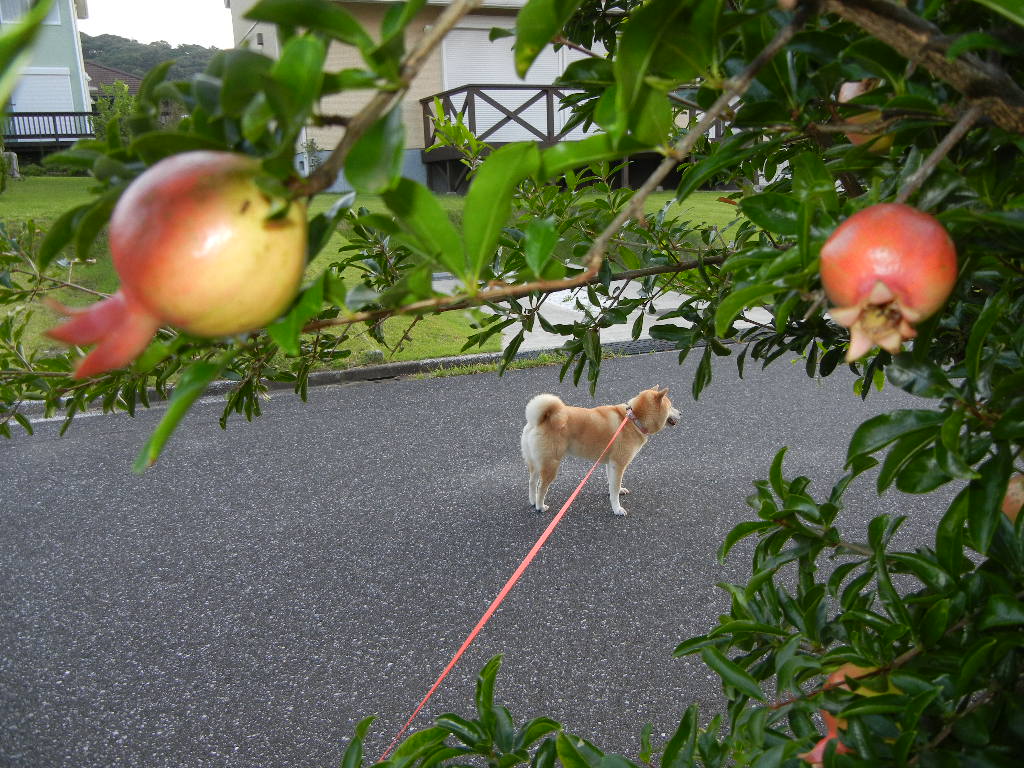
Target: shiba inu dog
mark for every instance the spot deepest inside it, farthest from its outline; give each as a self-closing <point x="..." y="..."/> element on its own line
<point x="554" y="430"/>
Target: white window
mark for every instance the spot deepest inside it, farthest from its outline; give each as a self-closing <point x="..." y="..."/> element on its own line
<point x="13" y="10"/>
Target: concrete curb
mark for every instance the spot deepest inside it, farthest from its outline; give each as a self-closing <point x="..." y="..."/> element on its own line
<point x="407" y="368"/>
<point x="413" y="367"/>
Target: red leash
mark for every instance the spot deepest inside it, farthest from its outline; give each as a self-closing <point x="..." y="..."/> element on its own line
<point x="504" y="591"/>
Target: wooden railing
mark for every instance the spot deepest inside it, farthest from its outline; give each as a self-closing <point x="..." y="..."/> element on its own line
<point x="39" y="127"/>
<point x="500" y="113"/>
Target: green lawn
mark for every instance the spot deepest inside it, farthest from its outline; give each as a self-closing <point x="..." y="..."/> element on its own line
<point x="43" y="199"/>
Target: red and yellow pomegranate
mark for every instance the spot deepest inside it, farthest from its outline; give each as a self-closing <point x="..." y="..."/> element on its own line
<point x="885" y="269"/>
<point x="192" y="244"/>
<point x="848" y="92"/>
<point x="1013" y="501"/>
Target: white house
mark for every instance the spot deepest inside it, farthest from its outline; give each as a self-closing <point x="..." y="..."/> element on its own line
<point x="466" y="58"/>
<point x="55" y="79"/>
<point x="50" y="102"/>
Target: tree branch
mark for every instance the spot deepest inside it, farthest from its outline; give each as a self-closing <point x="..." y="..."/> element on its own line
<point x="923" y="43"/>
<point x="449" y="303"/>
<point x="958" y="131"/>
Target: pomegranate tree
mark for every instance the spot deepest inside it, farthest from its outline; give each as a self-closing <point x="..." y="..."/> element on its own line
<point x="194" y="248"/>
<point x="885" y="269"/>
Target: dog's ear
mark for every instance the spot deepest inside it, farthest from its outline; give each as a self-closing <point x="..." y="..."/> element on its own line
<point x="659" y="393"/>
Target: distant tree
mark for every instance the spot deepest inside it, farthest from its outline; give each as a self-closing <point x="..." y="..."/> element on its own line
<point x="138" y="58"/>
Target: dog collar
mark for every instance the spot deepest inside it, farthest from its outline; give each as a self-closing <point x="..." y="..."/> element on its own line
<point x="636" y="422"/>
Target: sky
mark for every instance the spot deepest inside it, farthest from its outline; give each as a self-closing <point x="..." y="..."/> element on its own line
<point x="202" y="22"/>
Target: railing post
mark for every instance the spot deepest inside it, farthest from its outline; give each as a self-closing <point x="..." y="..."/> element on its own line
<point x="471" y="109"/>
<point x="549" y="100"/>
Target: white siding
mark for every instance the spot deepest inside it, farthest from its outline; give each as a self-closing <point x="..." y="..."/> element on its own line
<point x="43" y="89"/>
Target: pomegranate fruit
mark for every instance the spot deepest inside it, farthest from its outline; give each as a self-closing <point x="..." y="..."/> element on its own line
<point x="885" y="269"/>
<point x="193" y="247"/>
<point x="1013" y="501"/>
<point x="851" y="90"/>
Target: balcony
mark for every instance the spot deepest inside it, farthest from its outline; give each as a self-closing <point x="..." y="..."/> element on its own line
<point x="503" y="113"/>
<point x="42" y="132"/>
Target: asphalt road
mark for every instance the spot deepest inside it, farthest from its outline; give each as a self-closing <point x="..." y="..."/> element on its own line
<point x="260" y="590"/>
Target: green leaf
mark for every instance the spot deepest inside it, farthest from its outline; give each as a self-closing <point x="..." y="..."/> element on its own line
<point x="567" y="155"/>
<point x="60" y="233"/>
<point x="875" y="705"/>
<point x="1011" y="424"/>
<point x="935" y="622"/>
<point x="537" y="729"/>
<point x="994" y="308"/>
<point x="740" y="532"/>
<point x="986" y="497"/>
<point x="949" y="534"/>
<point x="812" y="181"/>
<point x="922" y="474"/>
<point x="1002" y="611"/>
<point x="732" y="674"/>
<point x="905" y="449"/>
<point x="193" y="382"/>
<point x="666" y="39"/>
<point x="977" y="41"/>
<point x="324" y="225"/>
<point x="536" y="25"/>
<point x="93" y="220"/>
<point x="739" y="300"/>
<point x="354" y="752"/>
<point x="243" y="73"/>
<point x="375" y="163"/>
<point x="679" y="750"/>
<point x="419" y="212"/>
<point x="541" y="239"/>
<point x="485" y="692"/>
<point x="467" y="731"/>
<point x="725" y="154"/>
<point x="773" y="212"/>
<point x="489" y="202"/>
<point x="317" y="15"/>
<point x="153" y="147"/>
<point x="921" y="378"/>
<point x="881" y="430"/>
<point x="775" y="473"/>
<point x="1011" y="9"/>
<point x="300" y="72"/>
<point x="574" y="752"/>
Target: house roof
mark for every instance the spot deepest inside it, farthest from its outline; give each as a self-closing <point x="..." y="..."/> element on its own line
<point x="100" y="74"/>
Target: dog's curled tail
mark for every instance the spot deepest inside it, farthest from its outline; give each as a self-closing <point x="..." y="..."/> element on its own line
<point x="541" y="407"/>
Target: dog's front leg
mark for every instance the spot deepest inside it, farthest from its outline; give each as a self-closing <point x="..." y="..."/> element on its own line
<point x="614" y="472"/>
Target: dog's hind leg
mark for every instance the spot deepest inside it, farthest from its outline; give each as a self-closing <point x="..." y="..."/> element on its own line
<point x="548" y="472"/>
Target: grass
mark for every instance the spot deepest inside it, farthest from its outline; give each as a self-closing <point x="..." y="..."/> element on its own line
<point x="43" y="199"/>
